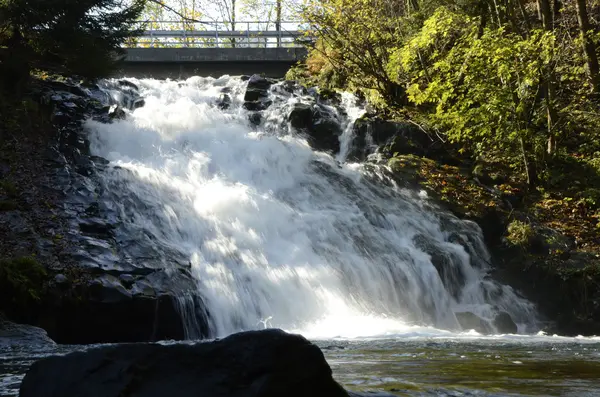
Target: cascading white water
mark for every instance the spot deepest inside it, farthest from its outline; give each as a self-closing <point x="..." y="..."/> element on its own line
<point x="279" y="235"/>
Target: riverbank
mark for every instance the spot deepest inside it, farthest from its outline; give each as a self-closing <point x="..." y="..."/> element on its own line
<point x="55" y="269"/>
<point x="544" y="240"/>
<point x="76" y="267"/>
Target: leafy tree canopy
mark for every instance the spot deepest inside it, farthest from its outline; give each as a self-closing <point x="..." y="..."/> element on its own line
<point x="80" y="37"/>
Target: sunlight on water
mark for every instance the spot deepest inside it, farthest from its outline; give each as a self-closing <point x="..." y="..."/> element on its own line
<point x="274" y="230"/>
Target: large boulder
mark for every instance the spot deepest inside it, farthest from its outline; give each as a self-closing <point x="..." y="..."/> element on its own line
<point x="319" y="125"/>
<point x="12" y="334"/>
<point x="469" y="320"/>
<point x="505" y="324"/>
<point x="391" y="137"/>
<point x="256" y="97"/>
<point x="268" y="363"/>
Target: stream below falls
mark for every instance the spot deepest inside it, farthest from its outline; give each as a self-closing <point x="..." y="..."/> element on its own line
<point x="413" y="364"/>
<point x="212" y="179"/>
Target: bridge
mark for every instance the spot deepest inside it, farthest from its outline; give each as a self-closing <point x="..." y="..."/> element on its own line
<point x="177" y="49"/>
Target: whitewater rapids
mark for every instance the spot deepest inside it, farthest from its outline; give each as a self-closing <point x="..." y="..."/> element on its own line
<point x="278" y="235"/>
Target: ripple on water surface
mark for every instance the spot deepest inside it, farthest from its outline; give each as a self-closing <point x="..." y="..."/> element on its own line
<point x="426" y="366"/>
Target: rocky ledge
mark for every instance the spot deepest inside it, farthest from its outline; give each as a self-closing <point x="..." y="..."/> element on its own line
<point x="62" y="262"/>
<point x="268" y="363"/>
<point x="545" y="245"/>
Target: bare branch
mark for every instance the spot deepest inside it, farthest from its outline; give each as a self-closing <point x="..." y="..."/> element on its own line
<point x="180" y="15"/>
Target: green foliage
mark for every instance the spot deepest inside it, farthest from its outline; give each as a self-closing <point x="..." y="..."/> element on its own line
<point x="21" y="282"/>
<point x="478" y="76"/>
<point x="353" y="55"/>
<point x="71" y="37"/>
<point x="520" y="233"/>
<point x="8" y="188"/>
<point x="8" y="205"/>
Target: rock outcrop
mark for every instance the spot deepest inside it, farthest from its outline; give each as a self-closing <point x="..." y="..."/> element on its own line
<point x="256" y="97"/>
<point x="391" y="137"/>
<point x="319" y="124"/>
<point x="12" y="334"/>
<point x="268" y="363"/>
<point x="100" y="286"/>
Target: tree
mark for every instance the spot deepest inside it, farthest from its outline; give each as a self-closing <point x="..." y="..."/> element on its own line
<point x="80" y="37"/>
<point x="589" y="47"/>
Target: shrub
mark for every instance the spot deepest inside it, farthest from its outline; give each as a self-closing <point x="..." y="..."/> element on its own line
<point x="520" y="233"/>
<point x="21" y="283"/>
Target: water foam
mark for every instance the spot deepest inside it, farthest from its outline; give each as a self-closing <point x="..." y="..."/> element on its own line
<point x="279" y="235"/>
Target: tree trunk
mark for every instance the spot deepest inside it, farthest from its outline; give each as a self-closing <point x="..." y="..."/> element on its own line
<point x="278" y="23"/>
<point x="556" y="6"/>
<point x="549" y="84"/>
<point x="545" y="14"/>
<point x="233" y="22"/>
<point x="589" y="48"/>
<point x="414" y="5"/>
<point x="528" y="175"/>
<point x="524" y="15"/>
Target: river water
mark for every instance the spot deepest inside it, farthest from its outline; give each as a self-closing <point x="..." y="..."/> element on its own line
<point x="279" y="235"/>
<point x="438" y="364"/>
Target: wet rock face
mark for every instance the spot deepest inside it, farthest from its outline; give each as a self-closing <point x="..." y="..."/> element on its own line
<point x="12" y="334"/>
<point x="389" y="137"/>
<point x="268" y="363"/>
<point x="505" y="324"/>
<point x="257" y="93"/>
<point x="468" y="321"/>
<point x="319" y="124"/>
<point x="447" y="266"/>
<point x="101" y="288"/>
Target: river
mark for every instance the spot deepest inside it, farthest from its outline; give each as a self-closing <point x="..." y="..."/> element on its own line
<point x="277" y="234"/>
<point x="418" y="365"/>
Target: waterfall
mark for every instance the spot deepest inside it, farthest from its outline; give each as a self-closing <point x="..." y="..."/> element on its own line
<point x="279" y="235"/>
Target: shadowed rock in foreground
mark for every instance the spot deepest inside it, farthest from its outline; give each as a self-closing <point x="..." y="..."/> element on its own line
<point x="250" y="364"/>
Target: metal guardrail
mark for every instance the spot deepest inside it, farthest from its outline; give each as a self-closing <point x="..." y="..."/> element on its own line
<point x="242" y="34"/>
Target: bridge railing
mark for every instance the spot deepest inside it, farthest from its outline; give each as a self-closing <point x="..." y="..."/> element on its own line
<point x="241" y="34"/>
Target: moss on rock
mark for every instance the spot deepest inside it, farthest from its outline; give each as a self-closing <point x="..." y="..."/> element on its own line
<point x="22" y="284"/>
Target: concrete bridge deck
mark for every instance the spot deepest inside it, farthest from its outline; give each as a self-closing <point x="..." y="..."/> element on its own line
<point x="180" y="53"/>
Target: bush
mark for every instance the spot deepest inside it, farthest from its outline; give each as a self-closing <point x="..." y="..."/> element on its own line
<point x="520" y="233"/>
<point x="22" y="282"/>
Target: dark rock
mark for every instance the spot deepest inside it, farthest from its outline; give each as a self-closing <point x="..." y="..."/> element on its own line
<point x="546" y="240"/>
<point x="393" y="137"/>
<point x="96" y="227"/>
<point x="256" y="106"/>
<point x="258" y="82"/>
<point x="468" y="321"/>
<point x="258" y="88"/>
<point x="115" y="112"/>
<point x="61" y="279"/>
<point x="138" y="103"/>
<point x="301" y="116"/>
<point x="290" y="87"/>
<point x="65" y="87"/>
<point x="257" y="93"/>
<point x="447" y="265"/>
<point x="224" y="101"/>
<point x="255" y="118"/>
<point x="331" y="96"/>
<point x="108" y="289"/>
<point x="127" y="279"/>
<point x="127" y="83"/>
<point x="115" y="318"/>
<point x="12" y="334"/>
<point x="318" y="124"/>
<point x="504" y="323"/>
<point x="268" y="363"/>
